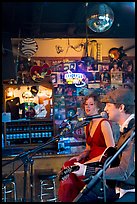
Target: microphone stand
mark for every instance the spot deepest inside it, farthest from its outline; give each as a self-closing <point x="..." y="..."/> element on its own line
<point x="26" y="158"/>
<point x="88" y="186"/>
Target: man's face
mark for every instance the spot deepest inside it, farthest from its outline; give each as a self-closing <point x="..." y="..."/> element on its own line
<point x="112" y="111"/>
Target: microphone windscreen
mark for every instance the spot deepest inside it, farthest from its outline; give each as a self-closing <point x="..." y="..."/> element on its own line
<point x="104" y="114"/>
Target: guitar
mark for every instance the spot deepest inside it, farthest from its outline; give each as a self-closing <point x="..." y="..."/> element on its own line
<point x="118" y="53"/>
<point x="38" y="73"/>
<point x="110" y="151"/>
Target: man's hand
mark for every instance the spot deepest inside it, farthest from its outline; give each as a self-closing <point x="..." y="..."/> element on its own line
<point x="82" y="169"/>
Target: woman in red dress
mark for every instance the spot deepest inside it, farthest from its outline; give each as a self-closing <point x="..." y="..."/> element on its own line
<point x="99" y="136"/>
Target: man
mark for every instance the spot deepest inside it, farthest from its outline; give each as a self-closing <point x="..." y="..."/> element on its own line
<point x="120" y="104"/>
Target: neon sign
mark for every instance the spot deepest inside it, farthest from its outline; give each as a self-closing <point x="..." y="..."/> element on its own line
<point x="75" y="78"/>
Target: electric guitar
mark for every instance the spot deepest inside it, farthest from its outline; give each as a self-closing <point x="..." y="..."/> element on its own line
<point x="118" y="53"/>
<point x="110" y="151"/>
<point x="38" y="73"/>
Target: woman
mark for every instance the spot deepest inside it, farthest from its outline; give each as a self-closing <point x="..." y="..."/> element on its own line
<point x="99" y="136"/>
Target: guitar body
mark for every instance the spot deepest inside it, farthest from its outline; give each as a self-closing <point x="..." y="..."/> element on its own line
<point x="38" y="73"/>
<point x="118" y="53"/>
<point x="109" y="152"/>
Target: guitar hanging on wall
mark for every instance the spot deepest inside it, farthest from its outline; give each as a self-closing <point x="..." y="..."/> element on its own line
<point x="118" y="53"/>
<point x="38" y="73"/>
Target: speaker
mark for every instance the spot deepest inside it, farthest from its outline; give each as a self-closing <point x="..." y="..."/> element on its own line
<point x="8" y="66"/>
<point x="12" y="106"/>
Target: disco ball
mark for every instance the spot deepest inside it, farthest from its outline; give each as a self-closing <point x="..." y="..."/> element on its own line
<point x="101" y="18"/>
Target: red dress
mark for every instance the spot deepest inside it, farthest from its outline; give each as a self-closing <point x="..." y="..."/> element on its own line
<point x="70" y="187"/>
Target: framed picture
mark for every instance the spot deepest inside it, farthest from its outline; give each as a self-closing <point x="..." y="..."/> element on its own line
<point x="116" y="77"/>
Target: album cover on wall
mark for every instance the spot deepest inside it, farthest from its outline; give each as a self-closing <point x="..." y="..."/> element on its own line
<point x="103" y="67"/>
<point x="105" y="77"/>
<point x="59" y="90"/>
<point x="70" y="90"/>
<point x="93" y="77"/>
<point x="92" y="68"/>
<point x="71" y="111"/>
<point x="116" y="77"/>
<point x="128" y="66"/>
<point x="70" y="101"/>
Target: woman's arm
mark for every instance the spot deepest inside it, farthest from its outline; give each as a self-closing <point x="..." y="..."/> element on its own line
<point x="108" y="134"/>
<point x="109" y="139"/>
<point x="95" y="159"/>
<point x="82" y="155"/>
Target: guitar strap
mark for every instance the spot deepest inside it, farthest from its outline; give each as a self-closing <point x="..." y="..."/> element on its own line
<point x="127" y="132"/>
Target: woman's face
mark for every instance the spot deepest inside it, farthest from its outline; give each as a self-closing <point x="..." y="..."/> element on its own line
<point x="90" y="107"/>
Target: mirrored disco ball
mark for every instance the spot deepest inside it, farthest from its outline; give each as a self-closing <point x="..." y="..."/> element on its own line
<point x="101" y="18"/>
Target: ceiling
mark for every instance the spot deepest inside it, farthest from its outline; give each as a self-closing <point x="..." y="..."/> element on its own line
<point x="64" y="19"/>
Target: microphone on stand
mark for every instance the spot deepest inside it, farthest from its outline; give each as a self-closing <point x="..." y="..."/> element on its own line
<point x="88" y="118"/>
<point x="104" y="114"/>
<point x="66" y="121"/>
<point x="70" y="118"/>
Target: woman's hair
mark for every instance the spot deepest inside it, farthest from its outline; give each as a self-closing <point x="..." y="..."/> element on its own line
<point x="96" y="98"/>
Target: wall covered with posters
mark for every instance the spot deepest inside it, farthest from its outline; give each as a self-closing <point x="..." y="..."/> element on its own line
<point x="64" y="64"/>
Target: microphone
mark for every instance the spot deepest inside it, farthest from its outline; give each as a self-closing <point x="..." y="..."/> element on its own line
<point x="104" y="114"/>
<point x="89" y="117"/>
<point x="66" y="121"/>
<point x="70" y="118"/>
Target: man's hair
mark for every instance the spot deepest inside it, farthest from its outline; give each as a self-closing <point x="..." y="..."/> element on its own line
<point x="129" y="109"/>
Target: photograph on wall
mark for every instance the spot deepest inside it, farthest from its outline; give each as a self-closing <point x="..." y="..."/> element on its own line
<point x="115" y="66"/>
<point x="128" y="79"/>
<point x="93" y="85"/>
<point x="59" y="90"/>
<point x="92" y="67"/>
<point x="82" y="91"/>
<point x="70" y="65"/>
<point x="105" y="86"/>
<point x="116" y="77"/>
<point x="81" y="67"/>
<point x="59" y="113"/>
<point x="105" y="77"/>
<point x="70" y="101"/>
<point x="127" y="66"/>
<point x="93" y="77"/>
<point x="70" y="90"/>
<point x="59" y="101"/>
<point x="53" y="79"/>
<point x="71" y="111"/>
<point x="103" y="67"/>
<point x="80" y="101"/>
<point x="115" y="86"/>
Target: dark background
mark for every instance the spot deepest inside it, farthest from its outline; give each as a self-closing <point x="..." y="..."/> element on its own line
<point x="57" y="20"/>
<point x="64" y="19"/>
